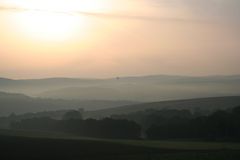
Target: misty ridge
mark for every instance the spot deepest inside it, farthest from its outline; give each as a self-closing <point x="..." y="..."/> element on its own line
<point x="101" y="98"/>
<point x="138" y="89"/>
<point x="20" y="104"/>
<point x="37" y="95"/>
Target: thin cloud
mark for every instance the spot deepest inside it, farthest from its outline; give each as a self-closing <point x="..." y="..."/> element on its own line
<point x="100" y="15"/>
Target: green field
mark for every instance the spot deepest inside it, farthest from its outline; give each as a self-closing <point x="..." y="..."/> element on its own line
<point x="48" y="145"/>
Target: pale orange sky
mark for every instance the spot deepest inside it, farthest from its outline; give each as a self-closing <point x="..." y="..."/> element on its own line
<point x="105" y="38"/>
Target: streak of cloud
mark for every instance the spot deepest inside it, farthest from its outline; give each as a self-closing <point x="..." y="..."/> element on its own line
<point x="103" y="15"/>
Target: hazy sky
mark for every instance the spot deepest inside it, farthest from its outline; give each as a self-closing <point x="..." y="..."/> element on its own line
<point x="105" y="38"/>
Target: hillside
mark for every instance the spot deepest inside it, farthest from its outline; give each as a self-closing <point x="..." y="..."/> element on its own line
<point x="142" y="88"/>
<point x="19" y="103"/>
<point x="204" y="104"/>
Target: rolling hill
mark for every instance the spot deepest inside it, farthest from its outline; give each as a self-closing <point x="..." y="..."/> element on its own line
<point x="207" y="105"/>
<point x="142" y="88"/>
<point x="19" y="103"/>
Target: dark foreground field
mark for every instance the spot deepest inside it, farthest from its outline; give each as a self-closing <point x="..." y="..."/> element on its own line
<point x="72" y="148"/>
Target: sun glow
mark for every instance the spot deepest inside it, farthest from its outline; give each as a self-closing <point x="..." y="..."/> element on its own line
<point x="48" y="26"/>
<point x="54" y="19"/>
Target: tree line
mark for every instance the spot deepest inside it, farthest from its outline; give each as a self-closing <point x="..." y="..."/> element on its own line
<point x="219" y="126"/>
<point x="74" y="124"/>
<point x="223" y="125"/>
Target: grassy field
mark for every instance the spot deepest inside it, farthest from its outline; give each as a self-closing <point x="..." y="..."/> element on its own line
<point x="185" y="145"/>
<point x="48" y="145"/>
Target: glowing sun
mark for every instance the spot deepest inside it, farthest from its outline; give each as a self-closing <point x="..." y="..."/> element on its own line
<point x="54" y="19"/>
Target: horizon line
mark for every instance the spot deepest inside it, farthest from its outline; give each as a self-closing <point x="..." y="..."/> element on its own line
<point x="124" y="76"/>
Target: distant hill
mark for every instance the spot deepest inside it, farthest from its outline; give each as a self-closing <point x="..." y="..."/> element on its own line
<point x="35" y="86"/>
<point x="90" y="92"/>
<point x="207" y="105"/>
<point x="19" y="103"/>
<point x="142" y="88"/>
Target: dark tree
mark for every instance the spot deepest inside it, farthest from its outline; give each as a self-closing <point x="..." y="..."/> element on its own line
<point x="72" y="115"/>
